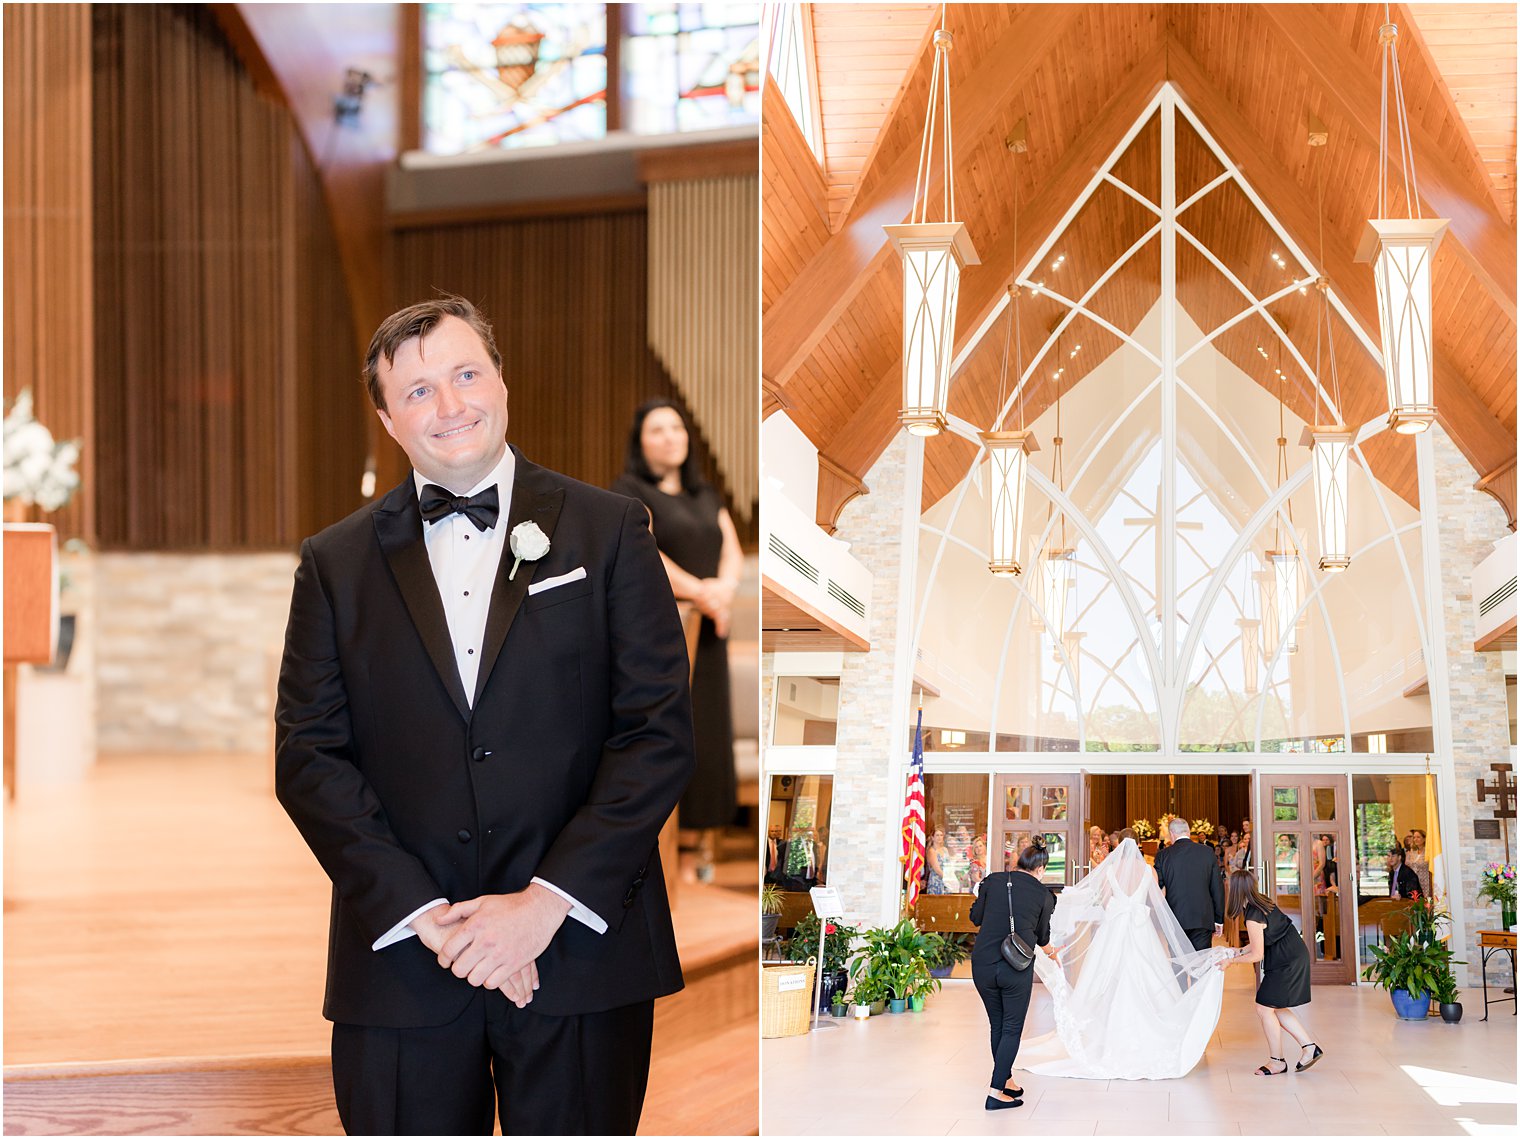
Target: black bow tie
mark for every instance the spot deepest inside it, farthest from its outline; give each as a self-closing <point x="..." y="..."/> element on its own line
<point x="482" y="509"/>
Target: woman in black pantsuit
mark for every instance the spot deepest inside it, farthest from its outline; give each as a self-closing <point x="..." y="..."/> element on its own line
<point x="1277" y="944"/>
<point x="1003" y="989"/>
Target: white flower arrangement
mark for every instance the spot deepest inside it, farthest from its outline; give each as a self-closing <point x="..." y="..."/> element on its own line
<point x="37" y="470"/>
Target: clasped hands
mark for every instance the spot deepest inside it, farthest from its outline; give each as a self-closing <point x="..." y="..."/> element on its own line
<point x="714" y="599"/>
<point x="494" y="941"/>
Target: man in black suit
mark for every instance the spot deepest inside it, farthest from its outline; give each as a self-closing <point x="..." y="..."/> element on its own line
<point x="1188" y="873"/>
<point x="483" y="721"/>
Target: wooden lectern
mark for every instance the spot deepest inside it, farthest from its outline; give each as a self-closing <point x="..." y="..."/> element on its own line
<point x="31" y="615"/>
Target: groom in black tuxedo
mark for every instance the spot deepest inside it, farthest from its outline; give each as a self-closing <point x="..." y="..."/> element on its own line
<point x="483" y="721"/>
<point x="1188" y="873"/>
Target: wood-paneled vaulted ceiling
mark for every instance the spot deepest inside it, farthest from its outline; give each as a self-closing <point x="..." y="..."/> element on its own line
<point x="1082" y="75"/>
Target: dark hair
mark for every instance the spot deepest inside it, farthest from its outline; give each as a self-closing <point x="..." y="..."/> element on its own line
<point x="1398" y="850"/>
<point x="417" y="321"/>
<point x="1034" y="856"/>
<point x="1241" y="891"/>
<point x="634" y="462"/>
<point x="1127" y="832"/>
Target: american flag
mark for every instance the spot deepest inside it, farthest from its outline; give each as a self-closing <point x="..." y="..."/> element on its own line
<point x="913" y="815"/>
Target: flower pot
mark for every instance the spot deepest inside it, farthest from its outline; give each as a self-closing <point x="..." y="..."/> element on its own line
<point x="768" y="923"/>
<point x="829" y="985"/>
<point x="878" y="1007"/>
<point x="896" y="1005"/>
<point x="1451" y="1013"/>
<point x="917" y="1005"/>
<point x="1408" y="1007"/>
<point x="862" y="1012"/>
<point x="941" y="971"/>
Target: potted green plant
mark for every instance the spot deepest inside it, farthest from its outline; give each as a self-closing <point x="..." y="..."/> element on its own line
<point x="1445" y="994"/>
<point x="868" y="996"/>
<point x="837" y="1007"/>
<point x="838" y="939"/>
<point x="1408" y="967"/>
<point x="954" y="948"/>
<point x="770" y="910"/>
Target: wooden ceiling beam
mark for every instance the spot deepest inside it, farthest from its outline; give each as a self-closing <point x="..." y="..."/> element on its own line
<point x="821" y="293"/>
<point x="1484" y="237"/>
<point x="982" y="288"/>
<point x="1472" y="425"/>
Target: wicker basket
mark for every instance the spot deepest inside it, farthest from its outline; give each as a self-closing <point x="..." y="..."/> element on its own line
<point x="784" y="1004"/>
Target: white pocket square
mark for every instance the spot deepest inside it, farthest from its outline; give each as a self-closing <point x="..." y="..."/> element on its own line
<point x="577" y="574"/>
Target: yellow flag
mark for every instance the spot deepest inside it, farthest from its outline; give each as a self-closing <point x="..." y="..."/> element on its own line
<point x="1433" y="838"/>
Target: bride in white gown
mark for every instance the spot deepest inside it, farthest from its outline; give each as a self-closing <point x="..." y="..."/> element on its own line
<point x="1133" y="1000"/>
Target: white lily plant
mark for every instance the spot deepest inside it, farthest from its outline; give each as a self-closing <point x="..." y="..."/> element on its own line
<point x="38" y="470"/>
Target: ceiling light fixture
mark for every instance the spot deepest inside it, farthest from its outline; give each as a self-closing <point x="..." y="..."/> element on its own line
<point x="933" y="255"/>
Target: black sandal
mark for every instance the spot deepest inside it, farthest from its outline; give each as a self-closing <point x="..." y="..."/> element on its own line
<point x="1301" y="1066"/>
<point x="1266" y="1071"/>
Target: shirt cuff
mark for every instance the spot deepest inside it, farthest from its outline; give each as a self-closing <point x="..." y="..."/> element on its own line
<point x="403" y="928"/>
<point x="579" y="912"/>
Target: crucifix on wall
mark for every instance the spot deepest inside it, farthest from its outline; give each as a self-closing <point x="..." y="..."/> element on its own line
<point x="1503" y="791"/>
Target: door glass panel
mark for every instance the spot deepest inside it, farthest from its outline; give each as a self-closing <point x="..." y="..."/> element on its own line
<point x="1013" y="843"/>
<point x="1285" y="874"/>
<point x="1327" y="902"/>
<point x="1016" y="809"/>
<point x="1055" y="847"/>
<point x="1324" y="804"/>
<point x="1053" y="804"/>
<point x="1285" y="804"/>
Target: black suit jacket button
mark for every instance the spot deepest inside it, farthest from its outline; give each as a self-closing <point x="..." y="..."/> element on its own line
<point x="479" y="754"/>
<point x="464" y="836"/>
<point x="628" y="898"/>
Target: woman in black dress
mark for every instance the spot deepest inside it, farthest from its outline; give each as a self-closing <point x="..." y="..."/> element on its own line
<point x="1277" y="944"/>
<point x="701" y="552"/>
<point x="1005" y="990"/>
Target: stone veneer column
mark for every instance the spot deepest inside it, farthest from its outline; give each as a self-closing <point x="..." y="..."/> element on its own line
<point x="1469" y="523"/>
<point x="867" y="800"/>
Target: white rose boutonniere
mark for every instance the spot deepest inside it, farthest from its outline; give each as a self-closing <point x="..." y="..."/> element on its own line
<point x="528" y="543"/>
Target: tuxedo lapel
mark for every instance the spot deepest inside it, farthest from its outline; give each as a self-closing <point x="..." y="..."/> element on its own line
<point x="535" y="498"/>
<point x="398" y="524"/>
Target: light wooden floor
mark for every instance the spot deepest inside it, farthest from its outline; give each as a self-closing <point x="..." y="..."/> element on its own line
<point x="167" y="909"/>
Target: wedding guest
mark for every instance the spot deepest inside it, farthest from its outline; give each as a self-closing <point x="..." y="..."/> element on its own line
<point x="703" y="559"/>
<point x="934" y="863"/>
<point x="1414" y="858"/>
<point x="1005" y="990"/>
<point x="1275" y="942"/>
<point x="1097" y="847"/>
<point x="1402" y="881"/>
<point x="976" y="870"/>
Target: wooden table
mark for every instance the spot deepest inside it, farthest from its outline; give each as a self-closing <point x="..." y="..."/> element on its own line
<point x="1491" y="941"/>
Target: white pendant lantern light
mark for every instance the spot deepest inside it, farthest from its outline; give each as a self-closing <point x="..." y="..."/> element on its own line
<point x="1284" y="565"/>
<point x="1059" y="569"/>
<point x="1007" y="464"/>
<point x="1265" y="583"/>
<point x="933" y="254"/>
<point x="1331" y="451"/>
<point x="1250" y="654"/>
<point x="1402" y="251"/>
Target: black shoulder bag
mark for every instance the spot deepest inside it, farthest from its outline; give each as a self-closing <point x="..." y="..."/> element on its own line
<point x="1015" y="950"/>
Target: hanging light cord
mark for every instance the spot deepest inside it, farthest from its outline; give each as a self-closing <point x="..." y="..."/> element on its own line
<point x="1013" y="334"/>
<point x="939" y="80"/>
<point x="1389" y="35"/>
<point x="1325" y="326"/>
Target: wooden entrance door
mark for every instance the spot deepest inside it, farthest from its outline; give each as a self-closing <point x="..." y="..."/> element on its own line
<point x="1045" y="804"/>
<point x="1304" y="847"/>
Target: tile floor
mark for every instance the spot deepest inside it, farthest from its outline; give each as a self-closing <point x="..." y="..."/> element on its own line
<point x="925" y="1074"/>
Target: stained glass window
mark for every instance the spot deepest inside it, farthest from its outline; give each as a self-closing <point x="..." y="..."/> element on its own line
<point x="515" y="75"/>
<point x="690" y="66"/>
<point x="510" y="75"/>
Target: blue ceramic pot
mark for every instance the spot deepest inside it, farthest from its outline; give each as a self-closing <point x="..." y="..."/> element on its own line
<point x="1408" y="1007"/>
<point x="896" y="1005"/>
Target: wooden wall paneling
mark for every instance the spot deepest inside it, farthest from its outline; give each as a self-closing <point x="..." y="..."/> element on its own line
<point x="703" y="307"/>
<point x="794" y="216"/>
<point x="213" y="277"/>
<point x="1234" y="800"/>
<point x="568" y="301"/>
<point x="1106" y="805"/>
<point x="1145" y="797"/>
<point x="48" y="193"/>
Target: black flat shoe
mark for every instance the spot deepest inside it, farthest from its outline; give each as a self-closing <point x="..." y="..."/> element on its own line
<point x="1015" y="1092"/>
<point x="995" y="1104"/>
<point x="1305" y="1065"/>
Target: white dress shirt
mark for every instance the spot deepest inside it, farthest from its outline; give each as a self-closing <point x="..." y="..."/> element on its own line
<point x="465" y="561"/>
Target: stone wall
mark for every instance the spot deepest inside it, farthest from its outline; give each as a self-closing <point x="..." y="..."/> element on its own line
<point x="1470" y="522"/>
<point x="866" y="807"/>
<point x="187" y="650"/>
